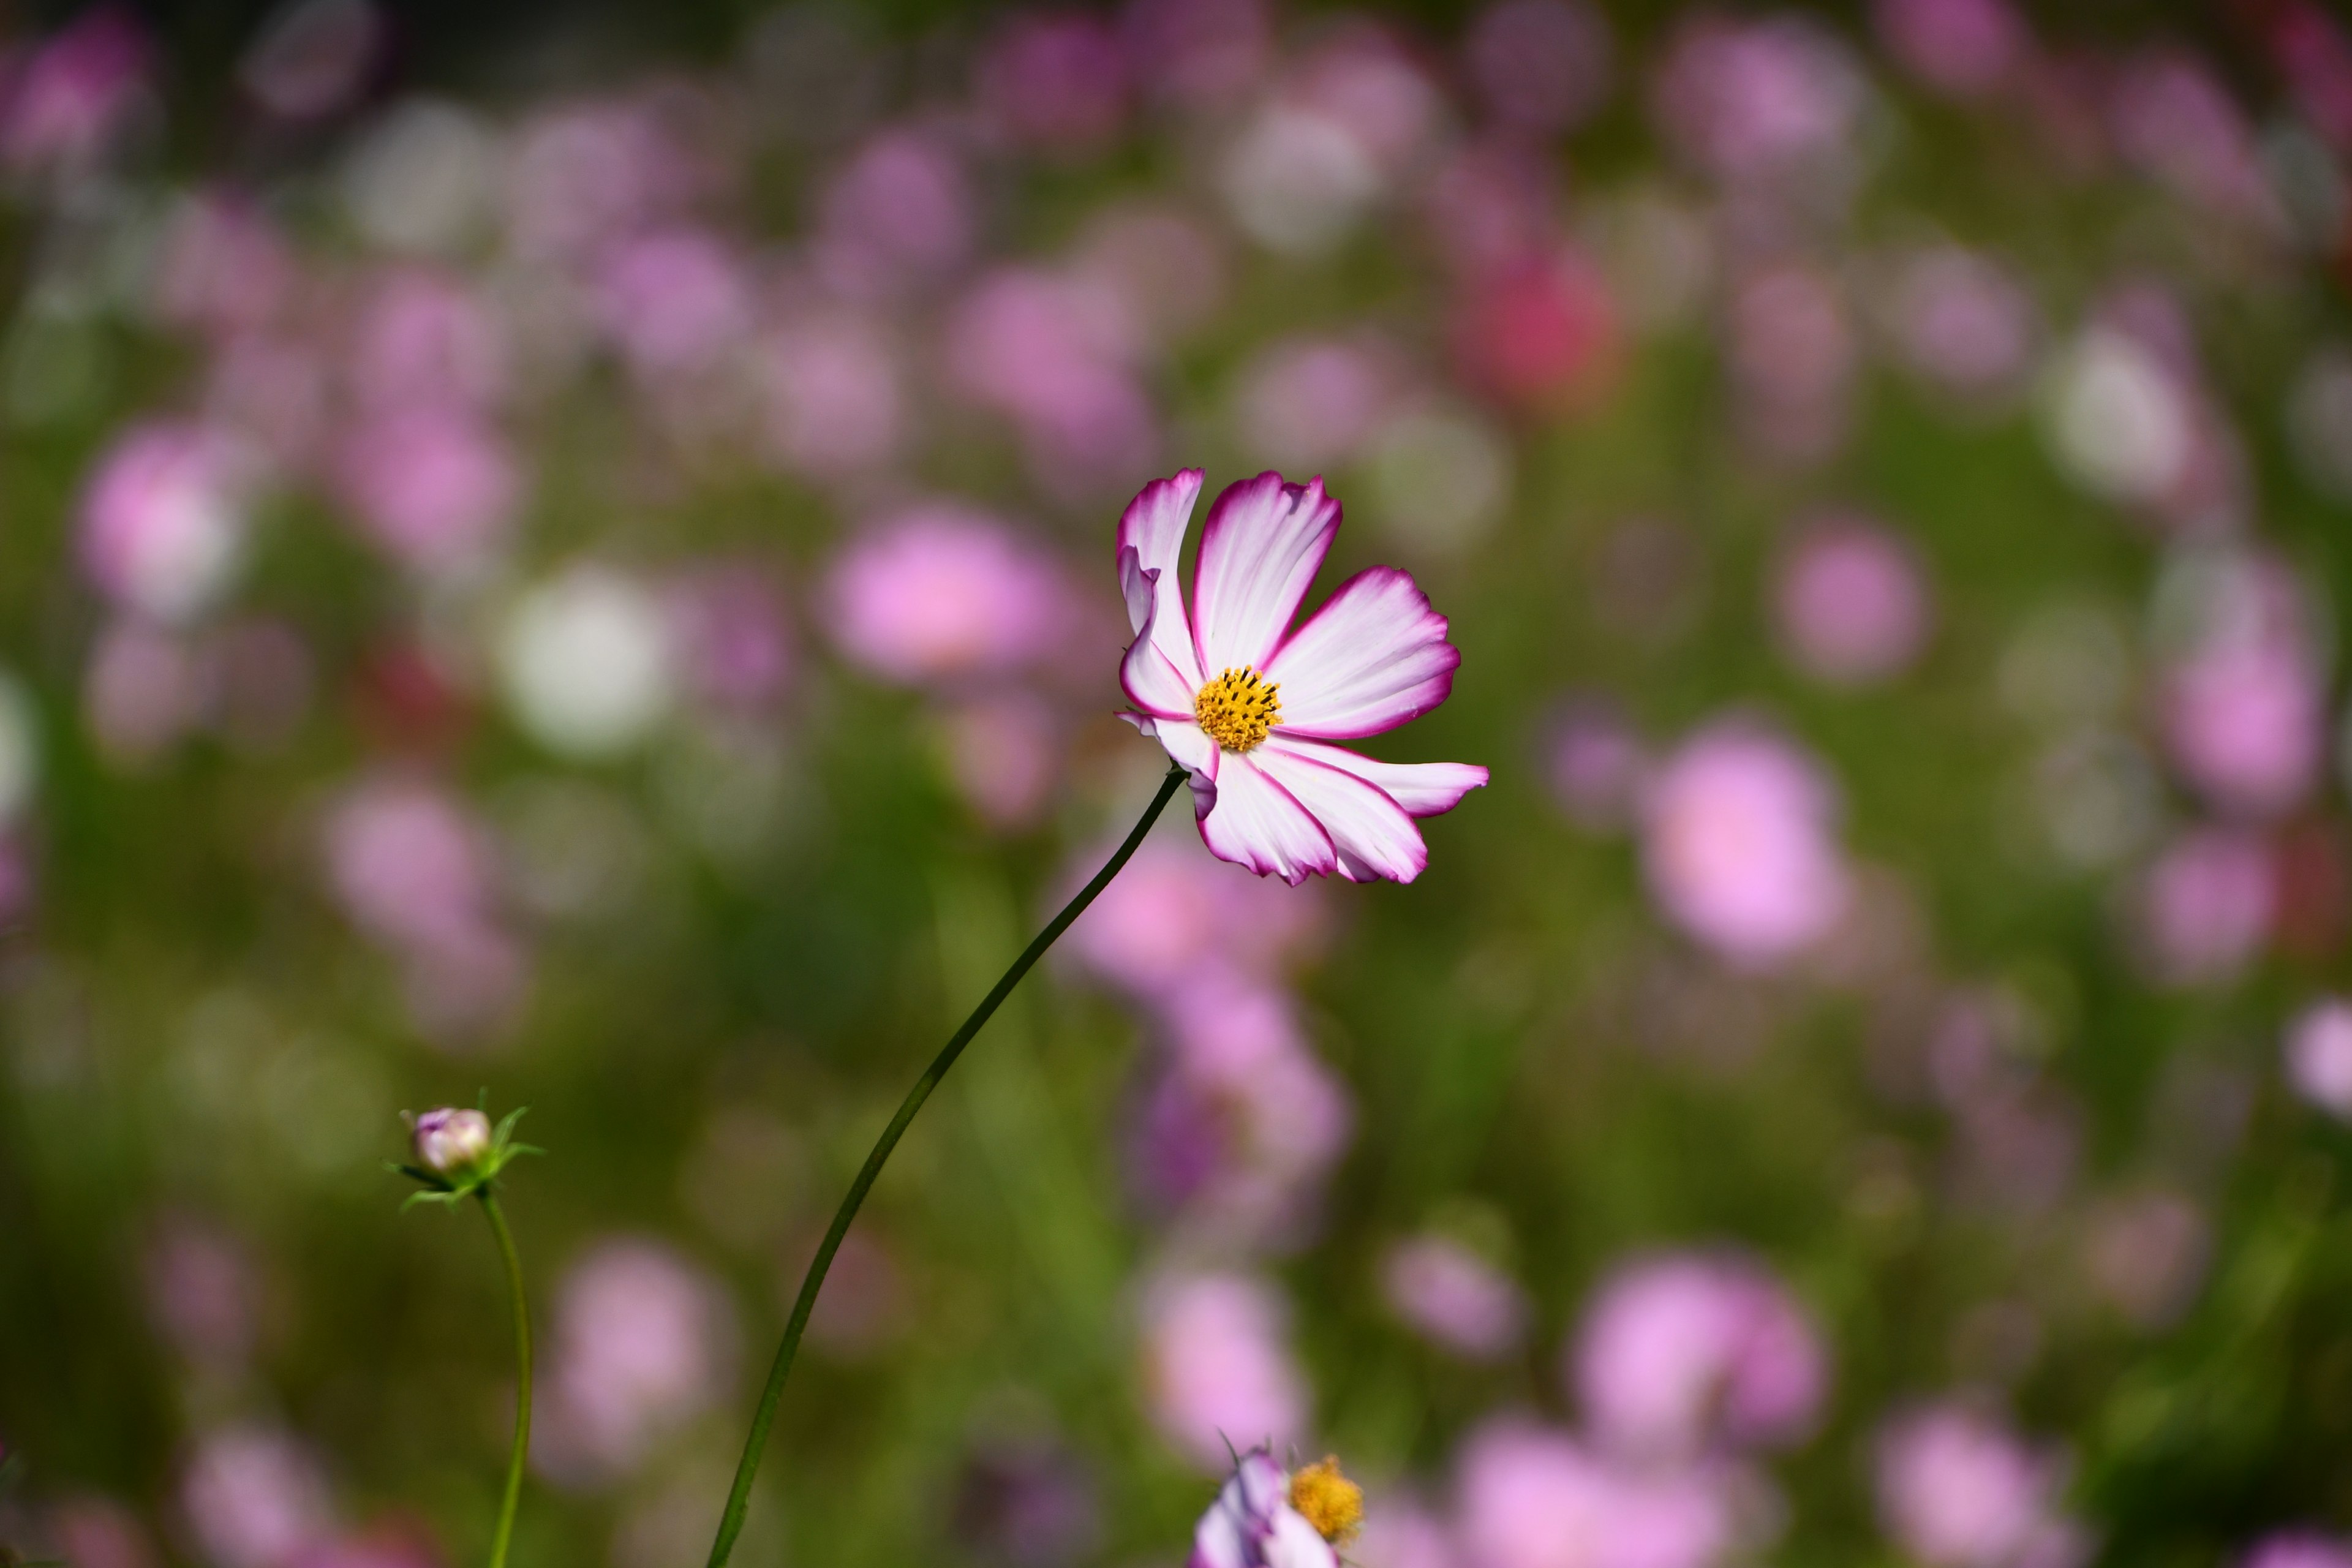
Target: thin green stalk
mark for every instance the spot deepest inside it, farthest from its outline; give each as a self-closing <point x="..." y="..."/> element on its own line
<point x="739" y="1497"/>
<point x="513" y="1499"/>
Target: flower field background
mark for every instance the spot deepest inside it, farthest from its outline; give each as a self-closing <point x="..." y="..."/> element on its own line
<point x="569" y="554"/>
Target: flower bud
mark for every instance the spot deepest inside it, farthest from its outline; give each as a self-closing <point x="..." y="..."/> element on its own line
<point x="450" y="1141"/>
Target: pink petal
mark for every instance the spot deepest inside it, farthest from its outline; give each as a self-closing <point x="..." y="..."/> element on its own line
<point x="1150" y="681"/>
<point x="1152" y="527"/>
<point x="1263" y="544"/>
<point x="1190" y="748"/>
<point x="1258" y="824"/>
<point x="1374" y="656"/>
<point x="1371" y="833"/>
<point x="1422" y="789"/>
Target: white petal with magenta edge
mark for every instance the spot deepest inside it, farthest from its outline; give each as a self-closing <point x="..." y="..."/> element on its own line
<point x="1263" y="542"/>
<point x="1374" y="656"/>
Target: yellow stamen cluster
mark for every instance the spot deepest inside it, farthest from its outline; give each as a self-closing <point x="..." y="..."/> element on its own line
<point x="1329" y="1501"/>
<point x="1237" y="709"/>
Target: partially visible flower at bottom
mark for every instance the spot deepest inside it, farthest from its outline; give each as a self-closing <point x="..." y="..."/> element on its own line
<point x="1267" y="1518"/>
<point x="1218" y="1361"/>
<point x="2297" y="1549"/>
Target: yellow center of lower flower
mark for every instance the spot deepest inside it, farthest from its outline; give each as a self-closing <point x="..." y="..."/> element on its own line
<point x="1237" y="709"/>
<point x="1329" y="1501"/>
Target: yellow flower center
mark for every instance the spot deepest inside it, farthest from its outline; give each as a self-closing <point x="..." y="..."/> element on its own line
<point x="1329" y="1501"/>
<point x="1237" y="709"/>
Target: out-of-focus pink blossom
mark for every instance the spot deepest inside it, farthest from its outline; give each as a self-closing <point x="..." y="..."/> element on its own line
<point x="421" y="339"/>
<point x="2244" y="701"/>
<point x="1027" y="1502"/>
<point x="733" y="641"/>
<point x="163" y="519"/>
<point x="1792" y="357"/>
<point x="63" y="106"/>
<point x="143" y="692"/>
<point x="1962" y="322"/>
<point x="1544" y="335"/>
<point x="2319" y="1051"/>
<point x="1491" y="209"/>
<point x="942" y="594"/>
<point x="1004" y="751"/>
<point x="1681" y="1351"/>
<point x="1777" y="101"/>
<point x="255" y="1497"/>
<point x="1596" y="763"/>
<point x="642" y="1343"/>
<point x="270" y="394"/>
<point x="1218" y="1368"/>
<point x="95" y="1532"/>
<point x="1958" y="1489"/>
<point x="2206" y="905"/>
<point x="1054" y="82"/>
<point x="833" y="394"/>
<point x="1533" y="1498"/>
<point x="1964" y="48"/>
<point x="1455" y="1297"/>
<point x="433" y="486"/>
<point x="1400" y="1532"/>
<point x="202" y="1292"/>
<point x="1367" y="81"/>
<point x="222" y="266"/>
<point x="2297" y="1549"/>
<point x="1739" y="845"/>
<point x="1850" y="602"/>
<point x="2314" y="53"/>
<point x="1198" y="53"/>
<point x="675" y="300"/>
<point x="1178" y="913"/>
<point x="1052" y="353"/>
<point x="1164" y="270"/>
<point x="1541" y="66"/>
<point x="582" y="175"/>
<point x="897" y="216"/>
<point x="2176" y="121"/>
<point x="2147" y="1255"/>
<point x="312" y="58"/>
<point x="1312" y="403"/>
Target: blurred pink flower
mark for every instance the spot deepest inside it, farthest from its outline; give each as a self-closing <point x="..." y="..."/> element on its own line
<point x="1199" y="53"/>
<point x="255" y="1498"/>
<point x="1776" y="101"/>
<point x="1176" y="914"/>
<point x="202" y="1292"/>
<point x="1964" y="48"/>
<point x="1541" y="66"/>
<point x="941" y="593"/>
<point x="642" y="1343"/>
<point x="1792" y="356"/>
<point x="2177" y="121"/>
<point x="95" y="1532"/>
<point x="898" y="215"/>
<point x="585" y="174"/>
<point x="1055" y="83"/>
<point x="434" y="488"/>
<point x="833" y="393"/>
<point x="313" y="58"/>
<point x="2313" y="52"/>
<point x="2319" y="1051"/>
<point x="423" y="339"/>
<point x="1597" y="764"/>
<point x="163" y="519"/>
<point x="1269" y="792"/>
<point x="1739" y="845"/>
<point x="63" y="105"/>
<point x="2297" y="1549"/>
<point x="1217" y="1365"/>
<point x="1005" y="754"/>
<point x="1312" y="403"/>
<point x="141" y="692"/>
<point x="1957" y="1489"/>
<point x="223" y="268"/>
<point x="1681" y="1349"/>
<point x="1163" y="269"/>
<point x="675" y="300"/>
<point x="1492" y="209"/>
<point x="1962" y="323"/>
<point x="1400" y="1532"/>
<point x="2147" y="1255"/>
<point x="1252" y="1523"/>
<point x="1455" y="1297"/>
<point x="2206" y="905"/>
<point x="1532" y="1498"/>
<point x="2245" y="696"/>
<point x="1543" y="335"/>
<point x="1053" y="355"/>
<point x="1849" y="601"/>
<point x="733" y="641"/>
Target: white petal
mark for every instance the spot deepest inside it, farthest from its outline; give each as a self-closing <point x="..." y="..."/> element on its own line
<point x="1190" y="748"/>
<point x="1263" y="544"/>
<point x="1373" y="836"/>
<point x="1218" y="1542"/>
<point x="1150" y="681"/>
<point x="1422" y="789"/>
<point x="1257" y="823"/>
<point x="1296" y="1544"/>
<point x="1374" y="656"/>
<point x="1152" y="527"/>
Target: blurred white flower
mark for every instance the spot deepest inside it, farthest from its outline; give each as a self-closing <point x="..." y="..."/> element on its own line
<point x="2117" y="421"/>
<point x="587" y="663"/>
<point x="1297" y="181"/>
<point x="424" y="180"/>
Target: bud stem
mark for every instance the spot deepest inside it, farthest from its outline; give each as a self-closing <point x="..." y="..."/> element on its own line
<point x="739" y="1497"/>
<point x="513" y="1497"/>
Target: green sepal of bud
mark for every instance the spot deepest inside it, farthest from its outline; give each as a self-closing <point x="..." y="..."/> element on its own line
<point x="456" y="1188"/>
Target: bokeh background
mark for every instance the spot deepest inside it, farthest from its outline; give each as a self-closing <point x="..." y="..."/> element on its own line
<point x="567" y="553"/>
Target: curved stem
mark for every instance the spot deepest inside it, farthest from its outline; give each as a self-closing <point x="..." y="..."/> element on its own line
<point x="739" y="1497"/>
<point x="513" y="1497"/>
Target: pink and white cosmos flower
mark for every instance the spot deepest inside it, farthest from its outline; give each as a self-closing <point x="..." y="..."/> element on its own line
<point x="1247" y="705"/>
<point x="1252" y="1523"/>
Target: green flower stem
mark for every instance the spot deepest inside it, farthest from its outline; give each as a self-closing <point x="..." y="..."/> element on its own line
<point x="739" y="1497"/>
<point x="513" y="1499"/>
